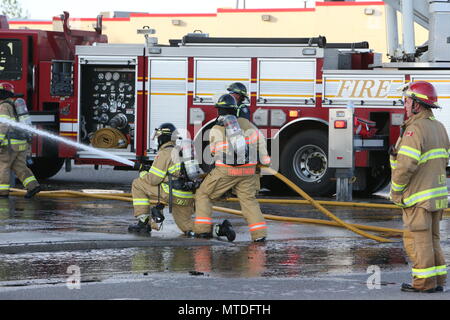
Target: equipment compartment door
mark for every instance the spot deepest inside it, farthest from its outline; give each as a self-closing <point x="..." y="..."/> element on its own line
<point x="213" y="76"/>
<point x="167" y="94"/>
<point x="107" y="105"/>
<point x="286" y="82"/>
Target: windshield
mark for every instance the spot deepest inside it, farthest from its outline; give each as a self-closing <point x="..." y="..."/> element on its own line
<point x="10" y="59"/>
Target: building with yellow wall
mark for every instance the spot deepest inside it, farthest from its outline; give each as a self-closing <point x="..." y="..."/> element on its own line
<point x="337" y="21"/>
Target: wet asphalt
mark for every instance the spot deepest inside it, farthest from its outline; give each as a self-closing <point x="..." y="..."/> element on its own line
<point x="43" y="240"/>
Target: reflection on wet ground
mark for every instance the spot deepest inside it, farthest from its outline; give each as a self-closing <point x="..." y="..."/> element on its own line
<point x="274" y="259"/>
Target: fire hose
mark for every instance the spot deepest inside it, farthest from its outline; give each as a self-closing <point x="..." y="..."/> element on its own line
<point x="356" y="228"/>
<point x="109" y="138"/>
<point x="127" y="197"/>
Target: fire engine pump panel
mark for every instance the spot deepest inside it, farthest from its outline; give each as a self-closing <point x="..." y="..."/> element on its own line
<point x="107" y="112"/>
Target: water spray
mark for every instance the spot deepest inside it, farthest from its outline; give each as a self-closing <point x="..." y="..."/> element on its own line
<point x="66" y="141"/>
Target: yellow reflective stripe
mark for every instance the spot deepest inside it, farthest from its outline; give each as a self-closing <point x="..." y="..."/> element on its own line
<point x="424" y="273"/>
<point x="157" y="172"/>
<point x="441" y="270"/>
<point x="141" y="202"/>
<point x="6" y="117"/>
<point x="178" y="193"/>
<point x="28" y="180"/>
<point x="393" y="163"/>
<point x="419" y="95"/>
<point x="439" y="153"/>
<point x="143" y="173"/>
<point x="410" y="152"/>
<point x="14" y="141"/>
<point x="174" y="168"/>
<point x="4" y="186"/>
<point x="397" y="187"/>
<point x="426" y="195"/>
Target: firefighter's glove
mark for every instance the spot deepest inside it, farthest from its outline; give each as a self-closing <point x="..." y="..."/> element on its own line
<point x="192" y="185"/>
<point x="396" y="198"/>
<point x="178" y="184"/>
<point x="157" y="213"/>
<point x="144" y="167"/>
<point x="141" y="166"/>
<point x="185" y="185"/>
<point x="392" y="151"/>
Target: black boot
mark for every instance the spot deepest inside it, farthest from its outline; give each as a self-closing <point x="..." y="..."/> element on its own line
<point x="206" y="235"/>
<point x="190" y="234"/>
<point x="141" y="228"/>
<point x="31" y="193"/>
<point x="225" y="229"/>
<point x="409" y="288"/>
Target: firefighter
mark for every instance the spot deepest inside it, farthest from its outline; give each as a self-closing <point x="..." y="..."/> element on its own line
<point x="419" y="186"/>
<point x="239" y="92"/>
<point x="235" y="146"/>
<point x="14" y="146"/>
<point x="154" y="185"/>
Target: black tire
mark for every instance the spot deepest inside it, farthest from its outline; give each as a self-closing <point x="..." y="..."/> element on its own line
<point x="44" y="168"/>
<point x="304" y="161"/>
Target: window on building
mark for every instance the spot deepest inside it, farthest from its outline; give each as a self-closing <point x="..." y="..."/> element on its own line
<point x="10" y="59"/>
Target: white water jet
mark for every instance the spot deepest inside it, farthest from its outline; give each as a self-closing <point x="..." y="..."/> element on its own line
<point x="66" y="141"/>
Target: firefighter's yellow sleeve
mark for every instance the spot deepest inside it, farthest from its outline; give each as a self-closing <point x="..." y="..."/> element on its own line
<point x="407" y="161"/>
<point x="4" y="114"/>
<point x="158" y="172"/>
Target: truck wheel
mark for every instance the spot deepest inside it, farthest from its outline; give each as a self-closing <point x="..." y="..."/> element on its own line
<point x="304" y="161"/>
<point x="44" y="168"/>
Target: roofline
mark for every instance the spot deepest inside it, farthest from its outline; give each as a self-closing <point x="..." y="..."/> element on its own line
<point x="219" y="10"/>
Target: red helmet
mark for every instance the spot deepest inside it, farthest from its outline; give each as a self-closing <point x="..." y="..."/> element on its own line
<point x="8" y="87"/>
<point x="423" y="92"/>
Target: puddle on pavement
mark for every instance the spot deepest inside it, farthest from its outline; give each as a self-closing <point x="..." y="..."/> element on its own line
<point x="273" y="259"/>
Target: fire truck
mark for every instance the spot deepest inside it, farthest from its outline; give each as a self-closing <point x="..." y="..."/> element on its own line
<point x="122" y="92"/>
<point x="292" y="83"/>
<point x="40" y="65"/>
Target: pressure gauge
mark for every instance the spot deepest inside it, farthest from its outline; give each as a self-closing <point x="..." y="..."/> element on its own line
<point x="104" y="107"/>
<point x="104" y="118"/>
<point x="101" y="76"/>
<point x="116" y="76"/>
<point x="96" y="87"/>
<point x="108" y="76"/>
